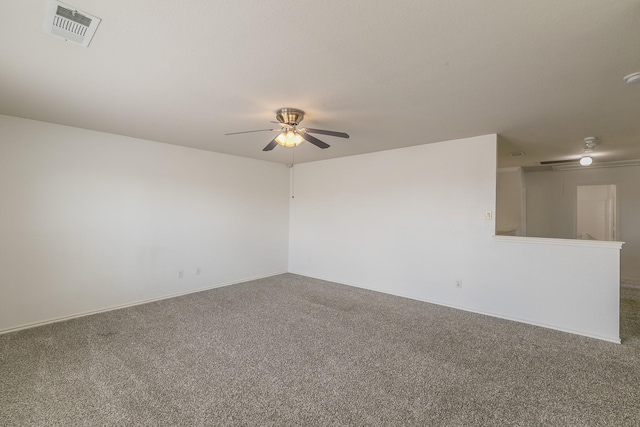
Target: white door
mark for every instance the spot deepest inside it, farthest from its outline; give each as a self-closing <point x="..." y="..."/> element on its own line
<point x="596" y="212"/>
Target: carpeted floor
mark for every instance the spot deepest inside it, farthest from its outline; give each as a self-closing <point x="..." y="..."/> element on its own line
<point x="290" y="350"/>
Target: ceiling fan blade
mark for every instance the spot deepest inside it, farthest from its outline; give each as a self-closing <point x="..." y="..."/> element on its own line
<point x="284" y="125"/>
<point x="312" y="139"/>
<point x="327" y="132"/>
<point x="270" y="146"/>
<point x="556" y="162"/>
<point x="250" y="131"/>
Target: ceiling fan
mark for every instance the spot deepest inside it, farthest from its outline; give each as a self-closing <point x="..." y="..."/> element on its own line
<point x="585" y="160"/>
<point x="290" y="135"/>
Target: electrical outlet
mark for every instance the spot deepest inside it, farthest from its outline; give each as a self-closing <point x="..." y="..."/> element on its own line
<point x="180" y="274"/>
<point x="458" y="283"/>
<point x="488" y="215"/>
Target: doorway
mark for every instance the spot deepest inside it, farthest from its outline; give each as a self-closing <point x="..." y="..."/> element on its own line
<point x="596" y="212"/>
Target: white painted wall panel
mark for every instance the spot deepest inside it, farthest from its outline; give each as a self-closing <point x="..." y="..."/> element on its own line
<point x="90" y="220"/>
<point x="411" y="222"/>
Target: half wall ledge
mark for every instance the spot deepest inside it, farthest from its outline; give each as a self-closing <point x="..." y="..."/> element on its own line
<point x="559" y="242"/>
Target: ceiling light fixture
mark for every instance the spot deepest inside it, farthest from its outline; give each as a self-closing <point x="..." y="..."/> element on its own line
<point x="290" y="138"/>
<point x="632" y="78"/>
<point x="586" y="160"/>
<point x="589" y="143"/>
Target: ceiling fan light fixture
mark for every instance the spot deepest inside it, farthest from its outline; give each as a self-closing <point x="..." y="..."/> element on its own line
<point x="290" y="138"/>
<point x="586" y="160"/>
<point x="589" y="143"/>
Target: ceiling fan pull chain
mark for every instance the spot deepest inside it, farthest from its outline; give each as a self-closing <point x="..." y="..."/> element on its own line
<point x="293" y="173"/>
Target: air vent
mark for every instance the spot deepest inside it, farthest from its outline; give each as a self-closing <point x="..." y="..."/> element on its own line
<point x="69" y="23"/>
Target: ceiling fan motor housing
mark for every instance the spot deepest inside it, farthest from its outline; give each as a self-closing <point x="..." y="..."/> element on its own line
<point x="290" y="116"/>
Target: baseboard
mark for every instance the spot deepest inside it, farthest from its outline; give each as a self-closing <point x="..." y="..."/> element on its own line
<point x="484" y="313"/>
<point x="131" y="304"/>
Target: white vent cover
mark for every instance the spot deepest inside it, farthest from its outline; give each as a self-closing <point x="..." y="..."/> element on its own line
<point x="516" y="154"/>
<point x="70" y="24"/>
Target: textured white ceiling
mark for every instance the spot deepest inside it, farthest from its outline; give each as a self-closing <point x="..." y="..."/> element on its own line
<point x="544" y="74"/>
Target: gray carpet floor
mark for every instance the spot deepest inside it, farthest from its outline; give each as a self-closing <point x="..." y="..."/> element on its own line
<point x="290" y="350"/>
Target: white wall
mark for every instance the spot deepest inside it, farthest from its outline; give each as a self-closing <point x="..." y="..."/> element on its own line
<point x="90" y="220"/>
<point x="551" y="207"/>
<point x="510" y="201"/>
<point x="411" y="222"/>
